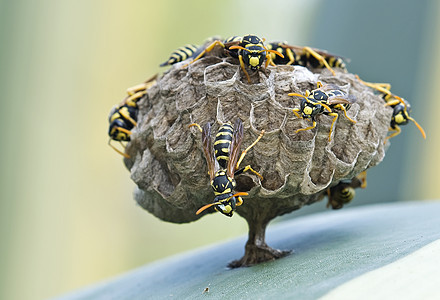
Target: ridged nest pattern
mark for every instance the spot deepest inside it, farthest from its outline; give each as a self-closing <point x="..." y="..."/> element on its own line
<point x="261" y="129"/>
<point x="166" y="157"/>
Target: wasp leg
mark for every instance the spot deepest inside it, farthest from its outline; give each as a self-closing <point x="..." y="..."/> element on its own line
<point x="240" y="58"/>
<point x="289" y="54"/>
<point x="239" y="201"/>
<point x="295" y="111"/>
<point x="127" y="116"/>
<point x="196" y="125"/>
<point x="268" y="59"/>
<point x="394" y="102"/>
<point x="307" y="128"/>
<point x="137" y="88"/>
<point x="396" y="130"/>
<point x="248" y="168"/>
<point x="117" y="150"/>
<point x="381" y="87"/>
<point x="385" y="86"/>
<point x="345" y="114"/>
<point x="320" y="58"/>
<point x="329" y="196"/>
<point x="243" y="153"/>
<point x="207" y="49"/>
<point x="362" y="176"/>
<point x="131" y="99"/>
<point x="335" y="117"/>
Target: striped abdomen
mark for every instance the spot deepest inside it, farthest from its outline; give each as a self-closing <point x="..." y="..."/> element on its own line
<point x="222" y="144"/>
<point x="180" y="54"/>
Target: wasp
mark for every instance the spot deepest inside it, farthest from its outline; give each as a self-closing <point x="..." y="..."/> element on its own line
<point x="223" y="160"/>
<point x="123" y="117"/>
<point x="401" y="108"/>
<point x="305" y="56"/>
<point x="323" y="100"/>
<point x="249" y="50"/>
<point x="344" y="191"/>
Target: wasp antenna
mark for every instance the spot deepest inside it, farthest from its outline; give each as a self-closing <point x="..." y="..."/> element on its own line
<point x="298" y="95"/>
<point x="419" y="127"/>
<point x="117" y="150"/>
<point x="196" y="125"/>
<point x="400" y="100"/>
<point x="240" y="194"/>
<point x="238" y="47"/>
<point x="206" y="207"/>
<point x="274" y="51"/>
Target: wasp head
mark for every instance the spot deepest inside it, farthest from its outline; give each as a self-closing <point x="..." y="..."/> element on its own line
<point x="253" y="57"/>
<point x="310" y="109"/>
<point x="400" y="115"/>
<point x="226" y="204"/>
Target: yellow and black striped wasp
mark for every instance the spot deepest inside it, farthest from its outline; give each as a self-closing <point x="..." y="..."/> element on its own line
<point x="249" y="50"/>
<point x="305" y="56"/>
<point x="323" y="100"/>
<point x="344" y="191"/>
<point x="123" y="117"/>
<point x="223" y="159"/>
<point x="401" y="108"/>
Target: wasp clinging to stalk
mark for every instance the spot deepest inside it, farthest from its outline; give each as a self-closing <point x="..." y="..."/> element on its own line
<point x="304" y="56"/>
<point x="401" y="108"/>
<point x="123" y="117"/>
<point x="323" y="100"/>
<point x="249" y="50"/>
<point x="344" y="191"/>
<point x="223" y="160"/>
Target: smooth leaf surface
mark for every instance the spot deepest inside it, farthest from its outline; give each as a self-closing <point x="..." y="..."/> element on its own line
<point x="329" y="249"/>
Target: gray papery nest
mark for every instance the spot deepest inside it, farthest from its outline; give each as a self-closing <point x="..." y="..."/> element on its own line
<point x="170" y="170"/>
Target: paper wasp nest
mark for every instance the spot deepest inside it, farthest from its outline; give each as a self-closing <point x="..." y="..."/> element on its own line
<point x="167" y="161"/>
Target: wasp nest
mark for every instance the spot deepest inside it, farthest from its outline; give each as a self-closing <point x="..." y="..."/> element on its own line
<point x="167" y="161"/>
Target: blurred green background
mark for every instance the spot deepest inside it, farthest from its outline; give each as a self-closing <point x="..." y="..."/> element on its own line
<point x="67" y="214"/>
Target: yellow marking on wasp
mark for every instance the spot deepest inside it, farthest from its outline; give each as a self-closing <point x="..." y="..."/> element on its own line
<point x="223" y="157"/>
<point x="399" y="119"/>
<point x="308" y="110"/>
<point x="254" y="61"/>
<point x="224" y="133"/>
<point x="221" y="142"/>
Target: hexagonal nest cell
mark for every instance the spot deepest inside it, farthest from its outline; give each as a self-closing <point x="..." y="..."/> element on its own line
<point x="167" y="161"/>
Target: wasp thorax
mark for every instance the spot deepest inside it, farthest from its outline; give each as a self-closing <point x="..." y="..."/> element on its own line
<point x="222" y="183"/>
<point x="320" y="95"/>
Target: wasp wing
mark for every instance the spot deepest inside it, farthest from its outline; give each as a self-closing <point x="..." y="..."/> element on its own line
<point x="234" y="150"/>
<point x="339" y="100"/>
<point x="208" y="150"/>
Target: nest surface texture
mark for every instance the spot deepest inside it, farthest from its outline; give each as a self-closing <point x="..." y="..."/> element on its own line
<point x="167" y="161"/>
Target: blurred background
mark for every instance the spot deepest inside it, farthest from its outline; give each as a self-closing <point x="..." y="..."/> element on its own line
<point x="68" y="218"/>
